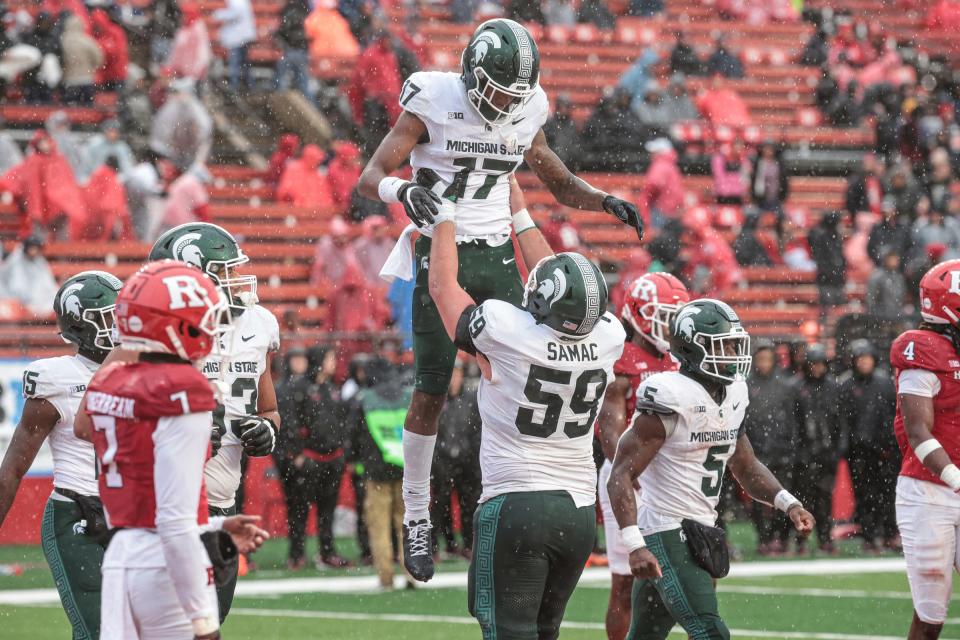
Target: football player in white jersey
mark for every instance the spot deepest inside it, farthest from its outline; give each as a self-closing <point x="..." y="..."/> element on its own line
<point x="686" y="430"/>
<point x="247" y="421"/>
<point x="73" y="518"/>
<point x="545" y="368"/>
<point x="465" y="134"/>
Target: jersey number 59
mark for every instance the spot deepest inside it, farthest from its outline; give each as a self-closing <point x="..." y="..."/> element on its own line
<point x="569" y="393"/>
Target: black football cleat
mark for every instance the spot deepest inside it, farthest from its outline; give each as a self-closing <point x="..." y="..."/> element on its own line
<point x="417" y="549"/>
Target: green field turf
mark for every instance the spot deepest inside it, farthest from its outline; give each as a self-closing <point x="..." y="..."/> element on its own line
<point x="853" y="606"/>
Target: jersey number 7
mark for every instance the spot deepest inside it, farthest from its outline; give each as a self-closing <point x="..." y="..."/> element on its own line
<point x="572" y="394"/>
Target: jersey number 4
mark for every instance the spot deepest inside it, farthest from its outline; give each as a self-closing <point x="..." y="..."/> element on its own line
<point x="570" y="393"/>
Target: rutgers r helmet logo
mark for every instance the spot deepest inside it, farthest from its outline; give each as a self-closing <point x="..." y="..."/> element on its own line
<point x="185" y="291"/>
<point x="955" y="282"/>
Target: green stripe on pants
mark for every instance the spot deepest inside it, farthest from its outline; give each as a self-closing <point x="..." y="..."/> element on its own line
<point x="75" y="561"/>
<point x="484" y="545"/>
<point x="685" y="595"/>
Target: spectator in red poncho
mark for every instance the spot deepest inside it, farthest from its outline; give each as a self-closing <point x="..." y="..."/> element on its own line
<point x="376" y="78"/>
<point x="944" y="15"/>
<point x="372" y="249"/>
<point x="112" y="41"/>
<point x="106" y="200"/>
<point x="288" y="146"/>
<point x="304" y="182"/>
<point x="355" y="307"/>
<point x="343" y="174"/>
<point x="721" y="105"/>
<point x="191" y="54"/>
<point x="712" y="266"/>
<point x="44" y="185"/>
<point x="662" y="194"/>
<point x="187" y="199"/>
<point x="333" y="255"/>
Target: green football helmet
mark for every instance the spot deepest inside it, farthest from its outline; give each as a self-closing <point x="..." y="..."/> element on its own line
<point x="567" y="293"/>
<point x="84" y="307"/>
<point x="707" y="338"/>
<point x="501" y="68"/>
<point x="215" y="251"/>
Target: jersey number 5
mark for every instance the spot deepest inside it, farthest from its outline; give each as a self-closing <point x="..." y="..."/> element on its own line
<point x="572" y="394"/>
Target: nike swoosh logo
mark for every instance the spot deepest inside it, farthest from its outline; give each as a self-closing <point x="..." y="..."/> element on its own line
<point x="508" y="260"/>
<point x="735" y="406"/>
<point x="249" y="338"/>
<point x="519" y="120"/>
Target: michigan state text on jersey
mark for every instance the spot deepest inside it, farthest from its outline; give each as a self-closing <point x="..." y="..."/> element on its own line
<point x="464" y="136"/>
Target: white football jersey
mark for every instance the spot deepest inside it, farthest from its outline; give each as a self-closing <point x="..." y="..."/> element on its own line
<point x="255" y="334"/>
<point x="539" y="408"/>
<point x="461" y="141"/>
<point x="684" y="479"/>
<point x="61" y="381"/>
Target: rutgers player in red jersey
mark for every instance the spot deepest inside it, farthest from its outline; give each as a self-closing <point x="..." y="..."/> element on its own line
<point x="927" y="368"/>
<point x="151" y="430"/>
<point x="650" y="303"/>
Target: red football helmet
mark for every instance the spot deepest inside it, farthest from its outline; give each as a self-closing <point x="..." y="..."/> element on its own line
<point x="650" y="303"/>
<point x="940" y="294"/>
<point x="172" y="307"/>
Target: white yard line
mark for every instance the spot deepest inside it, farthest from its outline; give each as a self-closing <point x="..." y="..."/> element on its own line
<point x="597" y="626"/>
<point x="592" y="577"/>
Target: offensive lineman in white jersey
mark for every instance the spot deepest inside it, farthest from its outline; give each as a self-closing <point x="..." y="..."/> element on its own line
<point x="545" y="369"/>
<point x="465" y="135"/>
<point x="686" y="429"/>
<point x="53" y="387"/>
<point x="247" y="420"/>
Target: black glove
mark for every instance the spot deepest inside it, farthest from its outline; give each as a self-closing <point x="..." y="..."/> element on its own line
<point x="209" y="636"/>
<point x="626" y="212"/>
<point x="420" y="203"/>
<point x="258" y="436"/>
<point x="219" y="428"/>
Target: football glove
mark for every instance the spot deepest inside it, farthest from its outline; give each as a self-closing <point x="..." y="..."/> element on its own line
<point x="626" y="212"/>
<point x="219" y="428"/>
<point x="420" y="204"/>
<point x="258" y="436"/>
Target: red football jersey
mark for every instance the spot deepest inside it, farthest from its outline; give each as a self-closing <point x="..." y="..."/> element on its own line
<point x="920" y="349"/>
<point x="638" y="364"/>
<point x="125" y="402"/>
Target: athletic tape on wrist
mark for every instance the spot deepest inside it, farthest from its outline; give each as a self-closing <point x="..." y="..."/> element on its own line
<point x="389" y="188"/>
<point x="784" y="500"/>
<point x="951" y="476"/>
<point x="203" y="626"/>
<point x="523" y="221"/>
<point x="927" y="447"/>
<point x="632" y="538"/>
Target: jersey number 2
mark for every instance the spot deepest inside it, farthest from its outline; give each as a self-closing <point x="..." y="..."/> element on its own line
<point x="573" y="395"/>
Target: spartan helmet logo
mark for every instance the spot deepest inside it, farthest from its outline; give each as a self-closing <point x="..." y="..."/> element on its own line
<point x="185" y="251"/>
<point x="484" y="41"/>
<point x="685" y="325"/>
<point x="552" y="289"/>
<point x="70" y="300"/>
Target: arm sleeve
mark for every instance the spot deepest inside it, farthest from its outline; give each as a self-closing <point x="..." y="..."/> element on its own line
<point x="180" y="447"/>
<point x="919" y="382"/>
<point x="464" y="335"/>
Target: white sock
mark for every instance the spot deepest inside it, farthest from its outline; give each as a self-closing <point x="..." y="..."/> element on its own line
<point x="417" y="460"/>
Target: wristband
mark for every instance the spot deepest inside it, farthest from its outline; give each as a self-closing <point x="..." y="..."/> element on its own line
<point x="389" y="188"/>
<point x="951" y="476"/>
<point x="203" y="626"/>
<point x="522" y="221"/>
<point x="927" y="447"/>
<point x="784" y="500"/>
<point x="632" y="538"/>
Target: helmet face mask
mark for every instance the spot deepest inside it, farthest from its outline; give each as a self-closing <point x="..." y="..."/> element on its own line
<point x="240" y="291"/>
<point x="651" y="302"/>
<point x="494" y="102"/>
<point x="103" y="320"/>
<point x="728" y="358"/>
<point x="659" y="316"/>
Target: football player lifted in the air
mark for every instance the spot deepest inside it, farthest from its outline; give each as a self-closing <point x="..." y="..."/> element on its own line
<point x="686" y="430"/>
<point x="649" y="305"/>
<point x="151" y="431"/>
<point x="247" y="420"/>
<point x="926" y="362"/>
<point x="545" y="367"/>
<point x="465" y="134"/>
<point x="53" y="388"/>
